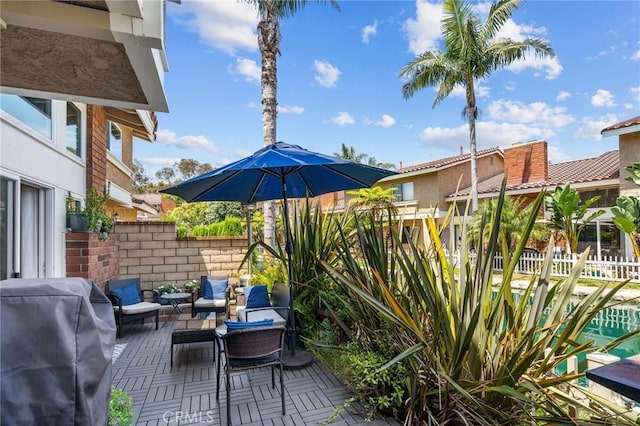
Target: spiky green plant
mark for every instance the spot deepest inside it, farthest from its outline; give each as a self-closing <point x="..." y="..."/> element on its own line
<point x="313" y="237"/>
<point x="474" y="353"/>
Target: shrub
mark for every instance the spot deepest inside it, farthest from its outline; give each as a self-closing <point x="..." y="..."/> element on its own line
<point x="120" y="408"/>
<point x="473" y="354"/>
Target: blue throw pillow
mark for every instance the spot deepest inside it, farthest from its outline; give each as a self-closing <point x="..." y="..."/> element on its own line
<point x="129" y="294"/>
<point x="258" y="297"/>
<point x="237" y="325"/>
<point x="215" y="289"/>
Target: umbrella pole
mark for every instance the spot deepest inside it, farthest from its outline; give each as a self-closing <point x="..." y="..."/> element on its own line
<point x="289" y="249"/>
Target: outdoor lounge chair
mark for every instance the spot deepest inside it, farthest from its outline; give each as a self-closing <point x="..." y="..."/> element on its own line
<point x="275" y="306"/>
<point x="250" y="348"/>
<point x="210" y="300"/>
<point x="128" y="302"/>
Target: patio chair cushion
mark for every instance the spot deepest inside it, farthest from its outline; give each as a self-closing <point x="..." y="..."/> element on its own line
<point x="215" y="289"/>
<point x="236" y="325"/>
<point x="138" y="308"/>
<point x="129" y="294"/>
<point x="201" y="302"/>
<point x="258" y="297"/>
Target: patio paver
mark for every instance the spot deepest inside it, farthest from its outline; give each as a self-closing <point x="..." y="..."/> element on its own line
<point x="186" y="393"/>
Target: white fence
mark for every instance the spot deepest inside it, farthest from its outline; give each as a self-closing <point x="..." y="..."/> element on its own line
<point x="605" y="268"/>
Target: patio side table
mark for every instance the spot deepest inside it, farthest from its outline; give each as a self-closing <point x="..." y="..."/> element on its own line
<point x="175" y="299"/>
<point x="193" y="330"/>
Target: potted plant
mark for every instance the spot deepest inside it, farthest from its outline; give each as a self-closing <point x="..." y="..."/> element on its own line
<point x="165" y="289"/>
<point x="93" y="218"/>
<point x="77" y="220"/>
<point x="191" y="287"/>
<point x="95" y="209"/>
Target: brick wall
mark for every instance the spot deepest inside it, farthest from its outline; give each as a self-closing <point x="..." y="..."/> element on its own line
<point x="96" y="147"/>
<point x="88" y="257"/>
<point x="526" y="162"/>
<point x="151" y="251"/>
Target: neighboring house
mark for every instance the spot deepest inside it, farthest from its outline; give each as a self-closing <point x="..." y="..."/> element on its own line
<point x="422" y="189"/>
<point x="78" y="81"/>
<point x="628" y="133"/>
<point x="153" y="203"/>
<point x="429" y="189"/>
<point x="528" y="172"/>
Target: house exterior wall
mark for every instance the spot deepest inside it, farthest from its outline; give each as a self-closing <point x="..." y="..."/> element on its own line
<point x="30" y="159"/>
<point x="96" y="147"/>
<point x="120" y="172"/>
<point x="629" y="145"/>
<point x="151" y="251"/>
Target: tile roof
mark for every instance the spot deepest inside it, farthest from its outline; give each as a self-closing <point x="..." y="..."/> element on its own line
<point x="623" y="124"/>
<point x="605" y="166"/>
<point x="448" y="161"/>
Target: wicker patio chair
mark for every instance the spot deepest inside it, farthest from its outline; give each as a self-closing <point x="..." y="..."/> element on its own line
<point x="247" y="349"/>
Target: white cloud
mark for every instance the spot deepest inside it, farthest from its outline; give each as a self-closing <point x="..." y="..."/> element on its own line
<point x="423" y="31"/>
<point x="290" y="109"/>
<point x="635" y="93"/>
<point x="386" y="121"/>
<point x="510" y="86"/>
<point x="488" y="134"/>
<point x="249" y="69"/>
<point x="603" y="98"/>
<point x="563" y="96"/>
<point x="369" y="30"/>
<point x="635" y="56"/>
<point x="326" y="74"/>
<point x="253" y="105"/>
<point x="556" y="155"/>
<point x="189" y="142"/>
<point x="342" y="119"/>
<point x="536" y="113"/>
<point x="227" y="25"/>
<point x="550" y="66"/>
<point x="591" y="127"/>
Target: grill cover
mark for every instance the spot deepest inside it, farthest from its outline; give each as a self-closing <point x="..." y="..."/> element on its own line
<point x="57" y="337"/>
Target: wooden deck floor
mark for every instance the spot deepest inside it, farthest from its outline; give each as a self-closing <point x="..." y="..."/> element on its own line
<point x="186" y="393"/>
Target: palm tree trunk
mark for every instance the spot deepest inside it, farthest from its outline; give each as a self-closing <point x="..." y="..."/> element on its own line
<point x="474" y="159"/>
<point x="268" y="41"/>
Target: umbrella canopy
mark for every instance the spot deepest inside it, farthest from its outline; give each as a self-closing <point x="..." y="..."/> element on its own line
<point x="279" y="171"/>
<point x="276" y="171"/>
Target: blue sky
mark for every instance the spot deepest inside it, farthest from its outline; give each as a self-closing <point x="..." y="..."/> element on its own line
<point x="338" y="82"/>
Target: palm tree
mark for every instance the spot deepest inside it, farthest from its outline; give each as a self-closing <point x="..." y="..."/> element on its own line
<point x="374" y="200"/>
<point x="271" y="12"/>
<point x="514" y="216"/>
<point x="349" y="153"/>
<point x="472" y="51"/>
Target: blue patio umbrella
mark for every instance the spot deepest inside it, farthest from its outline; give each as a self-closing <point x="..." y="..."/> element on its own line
<point x="279" y="171"/>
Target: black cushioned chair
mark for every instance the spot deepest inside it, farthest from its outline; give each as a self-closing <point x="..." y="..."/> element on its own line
<point x="126" y="313"/>
<point x="201" y="305"/>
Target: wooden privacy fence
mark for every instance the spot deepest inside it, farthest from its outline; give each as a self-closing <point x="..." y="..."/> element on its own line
<point x="606" y="268"/>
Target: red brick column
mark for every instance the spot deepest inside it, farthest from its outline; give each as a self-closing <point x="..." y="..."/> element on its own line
<point x="96" y="147"/>
<point x="88" y="257"/>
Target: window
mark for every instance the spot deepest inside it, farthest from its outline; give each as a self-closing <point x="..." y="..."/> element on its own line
<point x="33" y="112"/>
<point x="404" y="191"/>
<point x="72" y="132"/>
<point x="114" y="140"/>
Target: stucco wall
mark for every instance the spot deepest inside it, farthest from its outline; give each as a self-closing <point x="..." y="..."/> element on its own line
<point x="629" y="154"/>
<point x="151" y="251"/>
